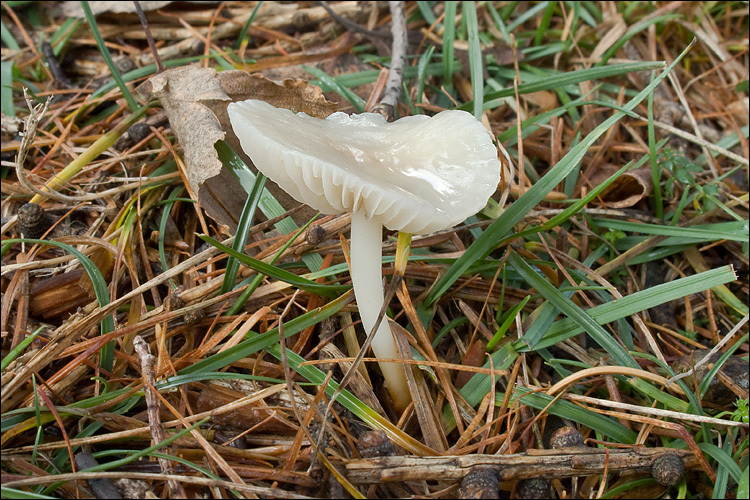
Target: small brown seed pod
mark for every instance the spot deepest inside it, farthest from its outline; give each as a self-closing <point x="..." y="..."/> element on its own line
<point x="375" y="444"/>
<point x="536" y="487"/>
<point x="33" y="220"/>
<point x="565" y="437"/>
<point x="174" y="301"/>
<point x="194" y="317"/>
<point x="717" y="393"/>
<point x="668" y="469"/>
<point x="315" y="234"/>
<point x="480" y="482"/>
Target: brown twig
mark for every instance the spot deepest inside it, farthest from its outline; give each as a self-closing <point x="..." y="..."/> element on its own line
<point x="149" y="38"/>
<point x="389" y="101"/>
<point x="54" y="66"/>
<point x="349" y="24"/>
<point x="152" y="407"/>
<point x="559" y="463"/>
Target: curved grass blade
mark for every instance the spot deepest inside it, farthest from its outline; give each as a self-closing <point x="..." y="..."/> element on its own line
<point x="255" y="283"/>
<point x="565" y="409"/>
<point x="564" y="304"/>
<point x="570" y="78"/>
<point x="258" y="342"/>
<point x="8" y="359"/>
<point x="100" y="289"/>
<point x="268" y="204"/>
<point x="635" y="303"/>
<point x="243" y="230"/>
<point x="104" y="51"/>
<point x="497" y="231"/>
<point x="725" y="460"/>
<point x="279" y="274"/>
<point x="163" y="226"/>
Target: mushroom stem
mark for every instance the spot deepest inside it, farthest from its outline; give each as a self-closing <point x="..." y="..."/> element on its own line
<point x="367" y="278"/>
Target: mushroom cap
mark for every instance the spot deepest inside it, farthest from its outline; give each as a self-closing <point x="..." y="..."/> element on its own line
<point x="417" y="174"/>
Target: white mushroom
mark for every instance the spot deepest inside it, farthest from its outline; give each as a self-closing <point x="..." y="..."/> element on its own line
<point x="418" y="175"/>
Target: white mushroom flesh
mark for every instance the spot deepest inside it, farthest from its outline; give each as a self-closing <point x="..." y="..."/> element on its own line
<point x="416" y="175"/>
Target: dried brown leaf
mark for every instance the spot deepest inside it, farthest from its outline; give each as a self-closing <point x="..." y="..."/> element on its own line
<point x="195" y="100"/>
<point x="627" y="190"/>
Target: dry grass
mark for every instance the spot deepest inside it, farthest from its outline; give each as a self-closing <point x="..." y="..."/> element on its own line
<point x="134" y="345"/>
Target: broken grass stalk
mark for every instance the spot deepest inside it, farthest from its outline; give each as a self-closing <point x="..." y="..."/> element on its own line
<point x="93" y="151"/>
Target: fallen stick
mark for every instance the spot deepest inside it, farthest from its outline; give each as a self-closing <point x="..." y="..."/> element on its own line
<point x="560" y="463"/>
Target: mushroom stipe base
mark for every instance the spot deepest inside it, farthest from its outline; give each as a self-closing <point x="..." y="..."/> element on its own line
<point x="367" y="278"/>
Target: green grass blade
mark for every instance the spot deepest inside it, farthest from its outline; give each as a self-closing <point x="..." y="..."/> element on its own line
<point x="525" y="16"/>
<point x="655" y="168"/>
<point x="510" y="136"/>
<point x="449" y="34"/>
<point x="544" y="24"/>
<point x="243" y="230"/>
<point x="7" y="38"/>
<point x="725" y="459"/>
<point x="565" y="409"/>
<point x="499" y="23"/>
<point x="255" y="283"/>
<point x="144" y="452"/>
<point x="733" y="231"/>
<point x="163" y="225"/>
<point x="277" y="273"/>
<point x="268" y="204"/>
<point x="100" y="289"/>
<point x="63" y="34"/>
<point x="354" y="99"/>
<point x="476" y="66"/>
<point x="257" y="342"/>
<point x="632" y="31"/>
<point x="132" y="103"/>
<point x="647" y="388"/>
<point x="710" y="374"/>
<point x="426" y="11"/>
<point x="635" y="303"/>
<point x="564" y="304"/>
<point x="143" y="72"/>
<point x="424" y="61"/>
<point x="243" y="32"/>
<point x="8" y="359"/>
<point x="495" y="233"/>
<point x="13" y="493"/>
<point x="506" y="324"/>
<point x="570" y="78"/>
<point x="743" y="487"/>
<point x="6" y="91"/>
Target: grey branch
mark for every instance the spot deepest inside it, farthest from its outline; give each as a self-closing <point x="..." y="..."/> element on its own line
<point x="392" y="91"/>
